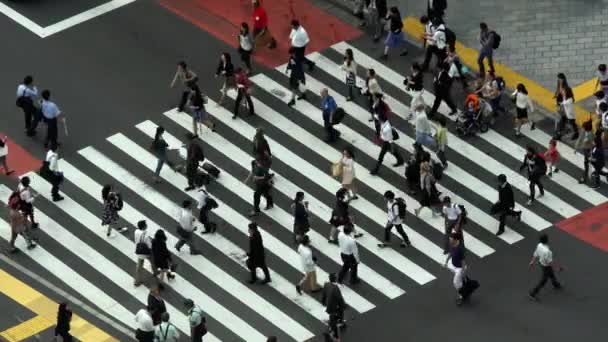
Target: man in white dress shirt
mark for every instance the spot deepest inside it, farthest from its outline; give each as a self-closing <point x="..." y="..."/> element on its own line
<point x="386" y="136"/>
<point x="395" y="216"/>
<point x="544" y="257"/>
<point x="299" y="40"/>
<point x="145" y="326"/>
<point x="53" y="175"/>
<point x="27" y="95"/>
<point x="349" y="254"/>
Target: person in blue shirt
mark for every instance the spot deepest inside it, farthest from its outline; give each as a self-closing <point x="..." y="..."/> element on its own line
<point x="329" y="106"/>
<point x="27" y="94"/>
<point x="50" y="113"/>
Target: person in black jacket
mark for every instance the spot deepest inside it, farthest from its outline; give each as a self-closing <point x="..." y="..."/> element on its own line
<point x="443" y="85"/>
<point x="261" y="149"/>
<point x="334" y="304"/>
<point x="156" y="304"/>
<point x="226" y="68"/>
<point x="161" y="258"/>
<point x="64" y="317"/>
<point x="436" y="8"/>
<point x="301" y="225"/>
<point x="295" y="68"/>
<point x="256" y="255"/>
<point x="597" y="159"/>
<point x="376" y="12"/>
<point x="505" y="205"/>
<point x="414" y="84"/>
<point x="395" y="36"/>
<point x="194" y="156"/>
<point x="536" y="167"/>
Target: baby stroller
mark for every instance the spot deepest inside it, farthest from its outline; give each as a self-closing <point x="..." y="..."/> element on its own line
<point x="477" y="116"/>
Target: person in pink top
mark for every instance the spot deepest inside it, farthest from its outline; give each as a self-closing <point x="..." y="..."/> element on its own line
<point x="552" y="157"/>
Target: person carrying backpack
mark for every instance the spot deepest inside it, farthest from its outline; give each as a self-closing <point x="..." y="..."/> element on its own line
<point x="112" y="204"/>
<point x="396" y="210"/>
<point x="489" y="40"/>
<point x="537" y="167"/>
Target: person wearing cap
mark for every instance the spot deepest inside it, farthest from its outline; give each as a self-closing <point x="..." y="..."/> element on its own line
<point x="506" y="203"/>
<point x="166" y="331"/>
<point x="197" y="320"/>
<point x="142" y="238"/>
<point x="145" y="325"/>
<point x="457" y="265"/>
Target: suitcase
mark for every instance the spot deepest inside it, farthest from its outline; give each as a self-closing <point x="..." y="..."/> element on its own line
<point x="211" y="170"/>
<point x="469" y="286"/>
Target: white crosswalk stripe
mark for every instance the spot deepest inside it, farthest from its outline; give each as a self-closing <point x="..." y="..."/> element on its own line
<point x="303" y="162"/>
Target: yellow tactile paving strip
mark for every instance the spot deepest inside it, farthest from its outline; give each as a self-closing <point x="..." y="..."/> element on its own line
<point x="46" y="310"/>
<point x="538" y="93"/>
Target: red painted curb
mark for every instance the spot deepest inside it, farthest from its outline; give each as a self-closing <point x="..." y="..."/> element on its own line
<point x="590" y="226"/>
<point x="19" y="159"/>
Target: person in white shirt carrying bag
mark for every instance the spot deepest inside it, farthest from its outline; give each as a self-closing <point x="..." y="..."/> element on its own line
<point x="186" y="228"/>
<point x="396" y="210"/>
<point x="309" y="267"/>
<point x="349" y="254"/>
<point x="145" y="326"/>
<point x="143" y="250"/>
<point x="523" y="105"/>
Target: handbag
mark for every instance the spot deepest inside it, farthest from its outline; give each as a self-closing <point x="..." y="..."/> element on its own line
<point x="336" y="169"/>
<point x="395" y="135"/>
<point x="142" y="248"/>
<point x="301" y="87"/>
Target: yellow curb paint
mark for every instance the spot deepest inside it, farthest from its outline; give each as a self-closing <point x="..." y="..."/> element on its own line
<point x="585" y="89"/>
<point x="46" y="309"/>
<point x="537" y="92"/>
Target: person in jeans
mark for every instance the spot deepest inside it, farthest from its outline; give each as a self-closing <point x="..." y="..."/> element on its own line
<point x="141" y="236"/>
<point x="544" y="256"/>
<point x="393" y="220"/>
<point x="486" y="40"/>
<point x="186" y="228"/>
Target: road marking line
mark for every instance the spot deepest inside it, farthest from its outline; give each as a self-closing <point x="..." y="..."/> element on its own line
<point x="27" y="329"/>
<point x="541" y="95"/>
<point x="22" y="20"/>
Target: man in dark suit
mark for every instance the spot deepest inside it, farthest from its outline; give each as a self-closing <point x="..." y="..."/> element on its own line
<point x="436" y="8"/>
<point x="257" y="255"/>
<point x="506" y="203"/>
<point x="194" y="156"/>
<point x="334" y="304"/>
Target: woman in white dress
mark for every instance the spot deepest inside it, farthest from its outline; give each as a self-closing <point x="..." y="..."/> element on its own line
<point x="348" y="173"/>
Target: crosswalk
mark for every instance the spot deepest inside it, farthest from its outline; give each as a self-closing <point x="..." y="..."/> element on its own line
<point x="215" y="280"/>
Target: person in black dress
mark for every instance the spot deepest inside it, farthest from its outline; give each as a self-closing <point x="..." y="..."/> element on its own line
<point x="64" y="317"/>
<point x="225" y="68"/>
<point x="257" y="255"/>
<point x="161" y="258"/>
<point x="300" y="212"/>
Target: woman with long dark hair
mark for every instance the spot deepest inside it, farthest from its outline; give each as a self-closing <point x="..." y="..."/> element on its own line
<point x="301" y="225"/>
<point x="64" y="317"/>
<point x="394" y="38"/>
<point x="159" y="147"/>
<point x="112" y="204"/>
<point x="226" y="69"/>
<point x="523" y="105"/>
<point x="199" y="114"/>
<point x="350" y="67"/>
<point x="245" y="46"/>
<point x="161" y="258"/>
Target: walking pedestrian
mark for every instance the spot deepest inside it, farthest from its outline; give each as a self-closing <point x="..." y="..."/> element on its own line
<point x="537" y="167"/>
<point x="349" y="175"/>
<point x="598" y="160"/>
<point x="567" y="105"/>
<point x="492" y="90"/>
<point x="387" y="135"/>
<point x="161" y="259"/>
<point x="186" y="228"/>
<point x="4" y="156"/>
<point x="584" y="145"/>
<point x="395" y="38"/>
<point x="544" y="256"/>
<point x="453" y="221"/>
<point x="196" y="316"/>
<point x="261" y="33"/>
<point x="334" y="305"/>
<point x="602" y="78"/>
<point x="157" y="305"/>
<point x="414" y="84"/>
<point x="299" y="40"/>
<point x="486" y="41"/>
<point x="429" y="196"/>
<point x="396" y="211"/>
<point x="442" y="85"/>
<point x="350" y="68"/>
<point x="244" y="90"/>
<point x="436" y="8"/>
<point x="309" y="268"/>
<point x="523" y="105"/>
<point x="188" y="79"/>
<point x="372" y="88"/>
<point x="145" y="325"/>
<point x="457" y="265"/>
<point x="159" y="147"/>
<point x="263" y="187"/>
<point x="329" y="107"/>
<point x="27" y="97"/>
<point x="376" y="11"/>
<point x="261" y="149"/>
<point x="143" y="252"/>
<point x="301" y="224"/>
<point x="341" y="216"/>
<point x="349" y="254"/>
<point x="505" y="205"/>
<point x="64" y="318"/>
<point x="436" y="43"/>
<point x="455" y="68"/>
<point x="205" y="204"/>
<point x="441" y="140"/>
<point x="194" y="157"/>
<point x="166" y="331"/>
<point x="380" y="113"/>
<point x="51" y="113"/>
<point x="112" y="204"/>
<point x="603" y="114"/>
<point x="245" y="46"/>
<point x="50" y="171"/>
<point x="423" y="128"/>
<point x="199" y="113"/>
<point x="19" y="226"/>
<point x="27" y="196"/>
<point x="225" y="69"/>
<point x="297" y="79"/>
<point x="257" y="255"/>
<point x="551" y="156"/>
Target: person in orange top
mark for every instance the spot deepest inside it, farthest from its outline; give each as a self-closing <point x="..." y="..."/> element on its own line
<point x="261" y="34"/>
<point x="552" y="157"/>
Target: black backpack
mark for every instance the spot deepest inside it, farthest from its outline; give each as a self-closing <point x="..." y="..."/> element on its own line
<point x="500" y="82"/>
<point x="338" y="116"/>
<point x="437" y="170"/>
<point x="401" y="207"/>
<point x="497" y="39"/>
<point x="463" y="214"/>
<point x="450" y="37"/>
